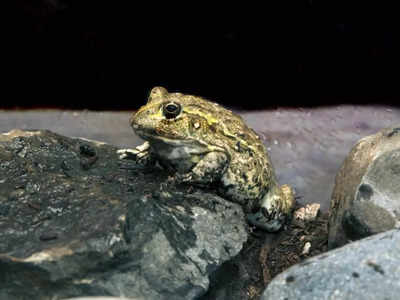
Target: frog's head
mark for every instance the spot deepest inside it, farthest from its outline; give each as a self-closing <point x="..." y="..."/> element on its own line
<point x="175" y="118"/>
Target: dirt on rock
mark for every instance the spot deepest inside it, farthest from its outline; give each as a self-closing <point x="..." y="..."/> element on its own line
<point x="274" y="253"/>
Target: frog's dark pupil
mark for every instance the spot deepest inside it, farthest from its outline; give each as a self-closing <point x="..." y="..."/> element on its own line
<point x="171" y="110"/>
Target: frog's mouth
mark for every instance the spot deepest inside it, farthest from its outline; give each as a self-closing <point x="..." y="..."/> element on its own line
<point x="150" y="135"/>
<point x="159" y="142"/>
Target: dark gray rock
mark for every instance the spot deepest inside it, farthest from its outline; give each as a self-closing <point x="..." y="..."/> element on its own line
<point x="366" y="197"/>
<point x="77" y="221"/>
<point x="366" y="269"/>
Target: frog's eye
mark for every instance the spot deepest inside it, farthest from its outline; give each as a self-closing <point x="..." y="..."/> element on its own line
<point x="171" y="110"/>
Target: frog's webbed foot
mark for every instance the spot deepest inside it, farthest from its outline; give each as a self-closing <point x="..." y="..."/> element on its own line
<point x="207" y="171"/>
<point x="176" y="179"/>
<point x="183" y="177"/>
<point x="173" y="181"/>
<point x="168" y="184"/>
<point x="267" y="221"/>
<point x="275" y="208"/>
<point x="140" y="154"/>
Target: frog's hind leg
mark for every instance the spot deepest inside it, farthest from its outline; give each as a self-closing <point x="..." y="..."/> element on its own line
<point x="208" y="170"/>
<point x="274" y="208"/>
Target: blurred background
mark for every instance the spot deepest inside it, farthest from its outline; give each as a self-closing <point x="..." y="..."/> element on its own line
<point x="107" y="55"/>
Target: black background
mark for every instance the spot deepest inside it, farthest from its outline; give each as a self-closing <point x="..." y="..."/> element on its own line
<point x="108" y="55"/>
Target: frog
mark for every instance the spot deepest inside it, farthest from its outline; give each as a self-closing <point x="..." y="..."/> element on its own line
<point x="203" y="144"/>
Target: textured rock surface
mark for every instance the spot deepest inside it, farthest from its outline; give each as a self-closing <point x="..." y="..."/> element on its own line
<point x="366" y="197"/>
<point x="366" y="269"/>
<point x="77" y="221"/>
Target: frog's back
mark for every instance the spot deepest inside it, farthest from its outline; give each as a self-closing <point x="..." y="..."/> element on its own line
<point x="250" y="174"/>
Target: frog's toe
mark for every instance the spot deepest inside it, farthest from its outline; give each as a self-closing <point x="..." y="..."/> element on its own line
<point x="259" y="220"/>
<point x="141" y="158"/>
<point x="168" y="184"/>
<point x="185" y="177"/>
<point x="127" y="153"/>
<point x="164" y="186"/>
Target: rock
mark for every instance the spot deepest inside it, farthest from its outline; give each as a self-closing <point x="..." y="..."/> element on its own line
<point x="366" y="196"/>
<point x="76" y="221"/>
<point x="365" y="269"/>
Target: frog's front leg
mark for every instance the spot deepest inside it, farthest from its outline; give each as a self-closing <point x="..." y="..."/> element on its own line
<point x="275" y="207"/>
<point x="141" y="154"/>
<point x="209" y="169"/>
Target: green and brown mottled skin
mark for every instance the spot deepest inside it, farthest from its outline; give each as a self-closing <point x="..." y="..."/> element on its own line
<point x="207" y="144"/>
